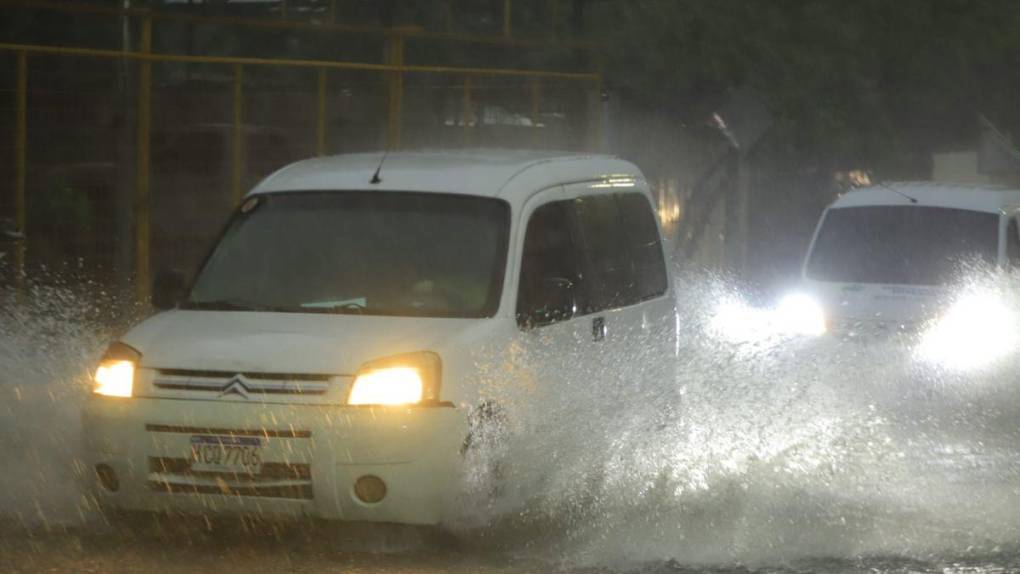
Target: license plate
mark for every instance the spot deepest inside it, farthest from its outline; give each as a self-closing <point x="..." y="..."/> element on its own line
<point x="233" y="454"/>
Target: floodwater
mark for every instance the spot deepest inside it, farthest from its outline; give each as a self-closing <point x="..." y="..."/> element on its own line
<point x="761" y="452"/>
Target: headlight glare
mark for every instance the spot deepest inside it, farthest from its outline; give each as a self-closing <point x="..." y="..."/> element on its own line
<point x="391" y="386"/>
<point x="977" y="330"/>
<point x="115" y="379"/>
<point x="401" y="380"/>
<point x="115" y="376"/>
<point x="801" y="314"/>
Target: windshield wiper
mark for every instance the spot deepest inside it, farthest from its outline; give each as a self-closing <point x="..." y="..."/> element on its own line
<point x="349" y="308"/>
<point x="228" y="305"/>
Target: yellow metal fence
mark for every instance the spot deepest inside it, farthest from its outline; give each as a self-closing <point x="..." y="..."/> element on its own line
<point x="394" y="72"/>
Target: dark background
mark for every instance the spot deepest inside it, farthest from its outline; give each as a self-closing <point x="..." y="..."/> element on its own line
<point x="832" y="87"/>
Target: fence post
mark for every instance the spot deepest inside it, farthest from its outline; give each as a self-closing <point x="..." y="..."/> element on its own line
<point x="20" y="170"/>
<point x="536" y="106"/>
<point x="235" y="148"/>
<point x="553" y="16"/>
<point x="447" y="15"/>
<point x="507" y="18"/>
<point x="320" y="119"/>
<point x="596" y="127"/>
<point x="466" y="111"/>
<point x="142" y="196"/>
<point x="395" y="57"/>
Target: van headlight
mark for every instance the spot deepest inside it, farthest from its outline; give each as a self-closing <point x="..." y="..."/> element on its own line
<point x="115" y="376"/>
<point x="800" y="314"/>
<point x="400" y="380"/>
<point x="977" y="330"/>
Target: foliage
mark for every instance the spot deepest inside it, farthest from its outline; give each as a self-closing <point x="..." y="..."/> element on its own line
<point x="868" y="82"/>
<point x="857" y="83"/>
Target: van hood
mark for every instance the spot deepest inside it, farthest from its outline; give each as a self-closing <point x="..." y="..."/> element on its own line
<point x="259" y="342"/>
<point x="878" y="302"/>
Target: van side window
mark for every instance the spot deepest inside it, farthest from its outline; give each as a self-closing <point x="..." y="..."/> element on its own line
<point x="549" y="285"/>
<point x="1013" y="244"/>
<point x="644" y="246"/>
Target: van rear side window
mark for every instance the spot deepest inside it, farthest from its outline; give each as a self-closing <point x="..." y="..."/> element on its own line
<point x="604" y="247"/>
<point x="644" y="246"/>
<point x="620" y="241"/>
<point x="607" y="246"/>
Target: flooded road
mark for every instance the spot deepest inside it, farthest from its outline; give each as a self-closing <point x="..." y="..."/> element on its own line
<point x="755" y="453"/>
<point x="325" y="549"/>
<point x="191" y="547"/>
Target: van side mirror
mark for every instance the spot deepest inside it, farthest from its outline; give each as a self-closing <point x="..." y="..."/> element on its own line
<point x="168" y="289"/>
<point x="554" y="301"/>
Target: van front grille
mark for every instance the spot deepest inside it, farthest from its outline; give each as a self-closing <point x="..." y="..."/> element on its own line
<point x="170" y="475"/>
<point x="298" y="492"/>
<point x="251" y="375"/>
<point x="270" y="470"/>
<point x="265" y="433"/>
<point x="252" y="383"/>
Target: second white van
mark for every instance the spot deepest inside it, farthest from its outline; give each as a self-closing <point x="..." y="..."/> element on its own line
<point x="916" y="256"/>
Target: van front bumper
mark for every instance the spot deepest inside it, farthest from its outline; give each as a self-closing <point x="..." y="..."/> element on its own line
<point x="312" y="456"/>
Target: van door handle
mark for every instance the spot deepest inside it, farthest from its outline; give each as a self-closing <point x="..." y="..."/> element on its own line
<point x="598" y="329"/>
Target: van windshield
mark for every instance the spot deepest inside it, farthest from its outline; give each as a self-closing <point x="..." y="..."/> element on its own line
<point x="371" y="253"/>
<point x="905" y="245"/>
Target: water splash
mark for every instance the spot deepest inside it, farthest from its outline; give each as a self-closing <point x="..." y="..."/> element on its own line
<point x="50" y="337"/>
<point x="763" y="448"/>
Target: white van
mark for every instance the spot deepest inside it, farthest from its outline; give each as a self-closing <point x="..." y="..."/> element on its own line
<point x="327" y="358"/>
<point x="891" y="256"/>
<point x="886" y="252"/>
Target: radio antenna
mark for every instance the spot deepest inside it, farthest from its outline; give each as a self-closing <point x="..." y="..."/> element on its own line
<point x="375" y="177"/>
<point x="888" y="187"/>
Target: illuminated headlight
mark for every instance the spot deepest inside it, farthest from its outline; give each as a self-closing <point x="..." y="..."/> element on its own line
<point x="401" y="380"/>
<point x="978" y="329"/>
<point x="737" y="322"/>
<point x="115" y="376"/>
<point x="800" y="314"/>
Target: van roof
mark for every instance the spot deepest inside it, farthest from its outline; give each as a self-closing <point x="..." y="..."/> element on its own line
<point x="490" y="173"/>
<point x="987" y="198"/>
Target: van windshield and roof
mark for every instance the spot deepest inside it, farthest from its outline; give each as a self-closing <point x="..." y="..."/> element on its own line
<point x="372" y="253"/>
<point x="905" y="245"/>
